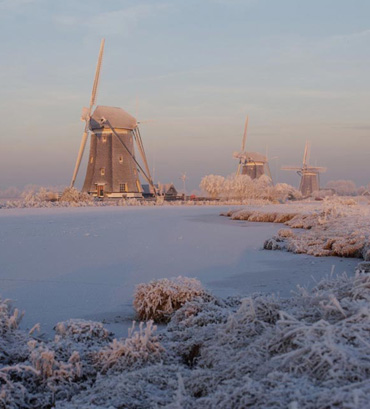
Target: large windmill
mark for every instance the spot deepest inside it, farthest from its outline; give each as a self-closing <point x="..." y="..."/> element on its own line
<point x="253" y="164"/>
<point x="310" y="175"/>
<point x="112" y="170"/>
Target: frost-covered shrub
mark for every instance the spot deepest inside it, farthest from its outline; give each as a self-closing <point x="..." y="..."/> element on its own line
<point x="72" y="195"/>
<point x="283" y="192"/>
<point x="342" y="187"/>
<point x="141" y="346"/>
<point x="285" y="233"/>
<point x="9" y="317"/>
<point x="213" y="185"/>
<point x="84" y="331"/>
<point x="44" y="362"/>
<point x="310" y="350"/>
<point x="242" y="187"/>
<point x="12" y="341"/>
<point x="159" y="299"/>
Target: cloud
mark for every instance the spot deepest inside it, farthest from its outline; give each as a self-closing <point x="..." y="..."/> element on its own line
<point x="121" y="21"/>
<point x="350" y="37"/>
<point x="17" y="5"/>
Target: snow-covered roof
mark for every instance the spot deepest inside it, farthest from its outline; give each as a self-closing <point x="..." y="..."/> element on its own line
<point x="256" y="157"/>
<point x="117" y="117"/>
<point x="251" y="156"/>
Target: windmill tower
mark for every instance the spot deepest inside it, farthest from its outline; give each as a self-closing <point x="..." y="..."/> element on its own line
<point x="310" y="175"/>
<point x="253" y="164"/>
<point x="112" y="170"/>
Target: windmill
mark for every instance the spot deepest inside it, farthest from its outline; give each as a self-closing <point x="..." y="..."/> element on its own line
<point x="310" y="180"/>
<point x="253" y="164"/>
<point x="112" y="170"/>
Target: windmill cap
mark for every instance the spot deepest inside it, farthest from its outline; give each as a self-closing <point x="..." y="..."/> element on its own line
<point x="251" y="156"/>
<point x="116" y="117"/>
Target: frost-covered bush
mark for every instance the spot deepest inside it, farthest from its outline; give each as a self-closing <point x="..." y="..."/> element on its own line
<point x="140" y="347"/>
<point x="159" y="299"/>
<point x="213" y="185"/>
<point x="242" y="187"/>
<point x="79" y="330"/>
<point x="342" y="187"/>
<point x="283" y="192"/>
<point x="72" y="195"/>
<point x="9" y="317"/>
<point x="310" y="350"/>
<point x="336" y="226"/>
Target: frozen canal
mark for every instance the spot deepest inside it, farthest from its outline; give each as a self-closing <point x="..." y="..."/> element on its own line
<point x="85" y="262"/>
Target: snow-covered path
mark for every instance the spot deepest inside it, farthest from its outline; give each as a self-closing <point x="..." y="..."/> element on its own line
<point x="85" y="262"/>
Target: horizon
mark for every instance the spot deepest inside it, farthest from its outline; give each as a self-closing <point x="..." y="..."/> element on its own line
<point x="194" y="71"/>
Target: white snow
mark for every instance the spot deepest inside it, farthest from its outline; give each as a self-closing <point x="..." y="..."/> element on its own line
<point x="84" y="263"/>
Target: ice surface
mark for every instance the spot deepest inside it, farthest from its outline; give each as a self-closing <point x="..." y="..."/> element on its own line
<point x="64" y="263"/>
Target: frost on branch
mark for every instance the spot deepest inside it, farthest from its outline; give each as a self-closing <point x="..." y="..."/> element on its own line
<point x="159" y="299"/>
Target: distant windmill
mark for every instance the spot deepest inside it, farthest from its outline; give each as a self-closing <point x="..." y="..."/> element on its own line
<point x="112" y="169"/>
<point x="253" y="164"/>
<point x="310" y="181"/>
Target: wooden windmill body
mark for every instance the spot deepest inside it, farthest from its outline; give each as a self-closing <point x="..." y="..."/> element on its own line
<point x="253" y="164"/>
<point x="112" y="170"/>
<point x="310" y="175"/>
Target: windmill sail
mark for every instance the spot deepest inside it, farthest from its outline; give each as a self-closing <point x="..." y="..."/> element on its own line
<point x="86" y="113"/>
<point x="113" y="169"/>
<point x="310" y="180"/>
<point x="252" y="164"/>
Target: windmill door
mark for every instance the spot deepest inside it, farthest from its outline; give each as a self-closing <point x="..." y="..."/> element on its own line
<point x="100" y="190"/>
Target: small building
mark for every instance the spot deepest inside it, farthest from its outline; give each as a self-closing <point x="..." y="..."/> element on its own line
<point x="167" y="190"/>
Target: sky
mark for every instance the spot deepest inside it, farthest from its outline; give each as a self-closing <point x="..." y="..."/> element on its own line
<point x="190" y="71"/>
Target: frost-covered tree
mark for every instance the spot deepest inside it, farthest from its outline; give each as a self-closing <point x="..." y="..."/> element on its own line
<point x="342" y="187"/>
<point x="242" y="187"/>
<point x="283" y="192"/>
<point x="213" y="185"/>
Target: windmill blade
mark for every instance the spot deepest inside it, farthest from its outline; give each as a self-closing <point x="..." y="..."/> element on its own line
<point x="80" y="153"/>
<point x="97" y="75"/>
<point x="306" y="155"/>
<point x="87" y="113"/>
<point x="316" y="169"/>
<point x="245" y="134"/>
<point x="296" y="168"/>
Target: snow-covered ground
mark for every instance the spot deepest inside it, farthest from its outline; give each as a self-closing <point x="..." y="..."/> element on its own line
<point x="257" y="350"/>
<point x="63" y="263"/>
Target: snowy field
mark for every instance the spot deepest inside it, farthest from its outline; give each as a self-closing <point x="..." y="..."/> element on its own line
<point x="233" y="345"/>
<point x="63" y="263"/>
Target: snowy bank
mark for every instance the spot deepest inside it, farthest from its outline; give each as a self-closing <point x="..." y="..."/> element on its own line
<point x="260" y="351"/>
<point x="334" y="227"/>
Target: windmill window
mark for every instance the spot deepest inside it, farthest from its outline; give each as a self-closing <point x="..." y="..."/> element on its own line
<point x="121" y="159"/>
<point x="123" y="188"/>
<point x="92" y="159"/>
<point x="102" y="171"/>
<point x="104" y="138"/>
